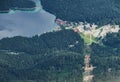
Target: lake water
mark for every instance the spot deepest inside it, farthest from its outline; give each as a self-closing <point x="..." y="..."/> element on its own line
<point x="26" y="23"/>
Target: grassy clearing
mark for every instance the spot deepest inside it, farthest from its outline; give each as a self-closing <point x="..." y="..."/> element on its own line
<point x="87" y="39"/>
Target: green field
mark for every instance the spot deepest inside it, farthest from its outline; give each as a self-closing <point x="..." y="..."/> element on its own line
<point x="87" y="39"/>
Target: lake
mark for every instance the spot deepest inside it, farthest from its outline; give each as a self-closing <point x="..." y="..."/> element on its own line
<point x="26" y="23"/>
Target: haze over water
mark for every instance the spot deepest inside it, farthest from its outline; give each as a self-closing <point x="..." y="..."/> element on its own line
<point x="26" y="23"/>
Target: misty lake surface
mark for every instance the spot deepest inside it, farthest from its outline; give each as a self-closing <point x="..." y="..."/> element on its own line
<point x="26" y="23"/>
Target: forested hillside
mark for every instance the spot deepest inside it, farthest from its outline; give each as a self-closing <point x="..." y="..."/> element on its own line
<point x="56" y="57"/>
<point x="62" y="40"/>
<point x="112" y="40"/>
<point x="92" y="11"/>
<point x="6" y="5"/>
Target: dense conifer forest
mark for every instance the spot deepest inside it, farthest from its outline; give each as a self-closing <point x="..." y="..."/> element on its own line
<point x="58" y="56"/>
<point x="100" y="12"/>
<point x="6" y="5"/>
<point x="49" y="57"/>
